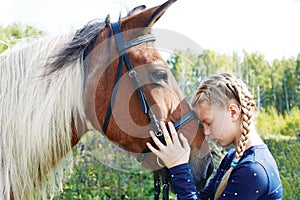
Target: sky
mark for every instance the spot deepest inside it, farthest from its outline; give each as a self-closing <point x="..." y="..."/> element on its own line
<point x="269" y="27"/>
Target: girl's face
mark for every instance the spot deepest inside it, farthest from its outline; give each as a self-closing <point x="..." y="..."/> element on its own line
<point x="223" y="125"/>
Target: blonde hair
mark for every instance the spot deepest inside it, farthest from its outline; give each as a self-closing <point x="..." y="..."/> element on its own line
<point x="219" y="90"/>
<point x="36" y="116"/>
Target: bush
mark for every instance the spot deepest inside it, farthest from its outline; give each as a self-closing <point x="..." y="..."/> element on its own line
<point x="292" y="123"/>
<point x="286" y="154"/>
<point x="91" y="179"/>
<point x="101" y="172"/>
<point x="271" y="123"/>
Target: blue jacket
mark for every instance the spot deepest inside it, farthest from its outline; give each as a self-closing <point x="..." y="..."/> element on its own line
<point x="255" y="177"/>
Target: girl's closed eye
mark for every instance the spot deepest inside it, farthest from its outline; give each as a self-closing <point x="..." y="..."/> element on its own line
<point x="208" y="122"/>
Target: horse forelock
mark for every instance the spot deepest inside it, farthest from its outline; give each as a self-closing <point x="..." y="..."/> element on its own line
<point x="35" y="120"/>
<point x="79" y="46"/>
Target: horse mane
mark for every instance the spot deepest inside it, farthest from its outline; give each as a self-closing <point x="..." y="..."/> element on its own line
<point x="81" y="45"/>
<point x="37" y="108"/>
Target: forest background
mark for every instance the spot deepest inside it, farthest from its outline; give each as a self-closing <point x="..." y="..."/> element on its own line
<point x="276" y="86"/>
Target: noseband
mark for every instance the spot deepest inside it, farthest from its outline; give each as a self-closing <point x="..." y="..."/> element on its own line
<point x="124" y="58"/>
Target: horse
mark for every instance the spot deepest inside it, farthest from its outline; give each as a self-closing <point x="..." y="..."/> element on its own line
<point x="107" y="77"/>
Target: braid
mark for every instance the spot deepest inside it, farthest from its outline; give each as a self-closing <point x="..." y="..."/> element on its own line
<point x="232" y="88"/>
<point x="246" y="101"/>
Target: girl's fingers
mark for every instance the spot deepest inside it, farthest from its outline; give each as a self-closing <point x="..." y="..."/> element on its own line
<point x="166" y="133"/>
<point x="185" y="142"/>
<point x="155" y="151"/>
<point x="156" y="140"/>
<point x="174" y="133"/>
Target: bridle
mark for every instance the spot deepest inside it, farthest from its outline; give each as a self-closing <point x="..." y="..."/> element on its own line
<point x="123" y="57"/>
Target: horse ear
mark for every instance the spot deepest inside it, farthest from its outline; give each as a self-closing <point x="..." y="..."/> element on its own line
<point x="140" y="17"/>
<point x="158" y="12"/>
<point x="136" y="10"/>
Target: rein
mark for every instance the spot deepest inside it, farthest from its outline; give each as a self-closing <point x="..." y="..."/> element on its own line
<point x="124" y="58"/>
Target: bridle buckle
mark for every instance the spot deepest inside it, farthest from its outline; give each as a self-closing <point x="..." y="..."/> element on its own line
<point x="132" y="74"/>
<point x="158" y="134"/>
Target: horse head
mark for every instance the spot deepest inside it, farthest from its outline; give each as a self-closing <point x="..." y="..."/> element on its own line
<point x="110" y="88"/>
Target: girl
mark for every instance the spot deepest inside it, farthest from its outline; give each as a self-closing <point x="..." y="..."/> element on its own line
<point x="225" y="107"/>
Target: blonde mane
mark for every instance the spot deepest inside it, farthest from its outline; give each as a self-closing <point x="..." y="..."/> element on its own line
<point x="36" y="111"/>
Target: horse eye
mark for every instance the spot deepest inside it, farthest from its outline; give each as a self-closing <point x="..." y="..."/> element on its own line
<point x="159" y="75"/>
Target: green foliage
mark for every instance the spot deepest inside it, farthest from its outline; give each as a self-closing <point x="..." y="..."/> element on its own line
<point x="274" y="85"/>
<point x="190" y="69"/>
<point x="184" y="71"/>
<point x="11" y="34"/>
<point x="269" y="122"/>
<point x="94" y="178"/>
<point x="272" y="123"/>
<point x="292" y="123"/>
<point x="286" y="154"/>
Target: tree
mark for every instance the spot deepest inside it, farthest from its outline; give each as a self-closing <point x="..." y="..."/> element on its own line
<point x="11" y="34"/>
<point x="184" y="68"/>
<point x="290" y="80"/>
<point x="274" y="85"/>
<point x="257" y="75"/>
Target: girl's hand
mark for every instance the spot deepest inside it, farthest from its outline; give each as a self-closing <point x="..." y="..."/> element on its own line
<point x="174" y="153"/>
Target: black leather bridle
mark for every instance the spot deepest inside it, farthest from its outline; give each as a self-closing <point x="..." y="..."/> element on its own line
<point x="124" y="58"/>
